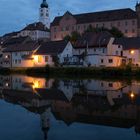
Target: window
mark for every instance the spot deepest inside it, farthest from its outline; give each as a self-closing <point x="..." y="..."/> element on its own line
<point x="67" y="28"/>
<point x="39" y="59"/>
<point x="133" y="30"/>
<point x="110" y="60"/>
<point x="73" y="28"/>
<point x="118" y="24"/>
<point x="103" y="50"/>
<point x="102" y="60"/>
<point x="94" y="50"/>
<point x="102" y="84"/>
<point x="16" y="54"/>
<point x="46" y="58"/>
<point x="117" y="52"/>
<point x="54" y="29"/>
<point x="19" y="61"/>
<point x="15" y="61"/>
<point x="85" y="27"/>
<point x="133" y="22"/>
<point x="78" y="27"/>
<point x="110" y="85"/>
<point x="119" y="46"/>
<point x="126" y="23"/>
<point x="97" y="25"/>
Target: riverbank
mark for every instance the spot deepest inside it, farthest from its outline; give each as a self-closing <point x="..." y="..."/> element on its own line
<point x="76" y="72"/>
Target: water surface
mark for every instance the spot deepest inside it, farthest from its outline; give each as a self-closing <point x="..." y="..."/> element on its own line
<point x="60" y="109"/>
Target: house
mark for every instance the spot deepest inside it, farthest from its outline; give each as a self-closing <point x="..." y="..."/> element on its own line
<point x="36" y="31"/>
<point x="97" y="49"/>
<point x="131" y="49"/>
<point x="126" y="20"/>
<point x="19" y="55"/>
<point x="53" y="52"/>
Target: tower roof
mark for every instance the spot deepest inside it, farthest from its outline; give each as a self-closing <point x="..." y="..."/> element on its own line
<point x="44" y="4"/>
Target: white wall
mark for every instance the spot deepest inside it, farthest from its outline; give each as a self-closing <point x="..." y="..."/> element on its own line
<point x="67" y="53"/>
<point x="135" y="56"/>
<point x="36" y="34"/>
<point x="100" y="60"/>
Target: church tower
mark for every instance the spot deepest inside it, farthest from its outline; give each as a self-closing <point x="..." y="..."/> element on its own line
<point x="44" y="14"/>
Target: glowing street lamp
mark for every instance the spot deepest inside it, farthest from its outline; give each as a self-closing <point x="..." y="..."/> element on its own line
<point x="132" y="51"/>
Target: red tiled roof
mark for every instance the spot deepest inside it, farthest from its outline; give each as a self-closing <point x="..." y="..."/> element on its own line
<point x="36" y="26"/>
<point x="111" y="15"/>
<point x="52" y="48"/>
<point x="93" y="40"/>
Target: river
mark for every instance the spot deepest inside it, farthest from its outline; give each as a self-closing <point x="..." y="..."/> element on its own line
<point x="33" y="108"/>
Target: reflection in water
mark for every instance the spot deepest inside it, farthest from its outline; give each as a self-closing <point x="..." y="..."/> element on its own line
<point x="108" y="103"/>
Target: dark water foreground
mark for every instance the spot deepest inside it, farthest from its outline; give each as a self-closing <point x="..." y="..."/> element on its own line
<point x="59" y="109"/>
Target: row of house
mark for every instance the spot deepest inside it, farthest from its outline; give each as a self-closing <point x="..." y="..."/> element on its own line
<point x="91" y="50"/>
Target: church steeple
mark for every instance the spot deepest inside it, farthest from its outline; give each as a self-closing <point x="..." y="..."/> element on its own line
<point x="44" y="4"/>
<point x="44" y="14"/>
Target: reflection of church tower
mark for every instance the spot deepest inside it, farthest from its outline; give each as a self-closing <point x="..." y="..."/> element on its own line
<point x="45" y="122"/>
<point x="137" y="127"/>
<point x="44" y="14"/>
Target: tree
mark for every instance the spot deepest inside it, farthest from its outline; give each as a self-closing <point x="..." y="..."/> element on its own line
<point x="115" y="32"/>
<point x="67" y="38"/>
<point x="90" y="29"/>
<point x="73" y="37"/>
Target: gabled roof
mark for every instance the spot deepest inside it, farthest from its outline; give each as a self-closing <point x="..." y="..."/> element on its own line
<point x="18" y="47"/>
<point x="111" y="15"/>
<point x="93" y="39"/>
<point x="36" y="26"/>
<point x="11" y="34"/>
<point x="15" y="40"/>
<point x="128" y="43"/>
<point x="52" y="47"/>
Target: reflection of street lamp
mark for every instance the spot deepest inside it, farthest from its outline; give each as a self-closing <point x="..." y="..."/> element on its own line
<point x="132" y="95"/>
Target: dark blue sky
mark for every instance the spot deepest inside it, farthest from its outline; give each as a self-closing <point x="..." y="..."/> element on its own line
<point x="15" y="14"/>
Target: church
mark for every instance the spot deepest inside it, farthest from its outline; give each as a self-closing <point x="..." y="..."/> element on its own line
<point x="39" y="30"/>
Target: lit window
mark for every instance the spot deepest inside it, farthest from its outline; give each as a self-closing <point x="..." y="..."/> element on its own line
<point x="39" y="59"/>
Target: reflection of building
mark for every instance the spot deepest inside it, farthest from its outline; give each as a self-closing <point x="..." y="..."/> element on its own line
<point x="98" y="102"/>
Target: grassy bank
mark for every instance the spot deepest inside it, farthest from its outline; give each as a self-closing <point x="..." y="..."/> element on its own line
<point x="76" y="72"/>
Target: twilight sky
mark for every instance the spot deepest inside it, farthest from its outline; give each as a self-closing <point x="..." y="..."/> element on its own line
<point x="15" y="14"/>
